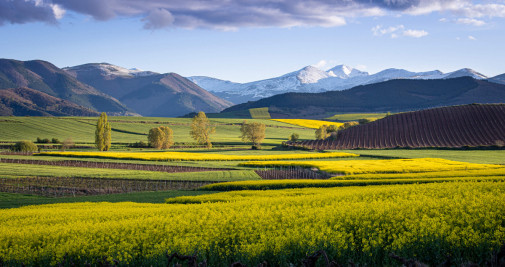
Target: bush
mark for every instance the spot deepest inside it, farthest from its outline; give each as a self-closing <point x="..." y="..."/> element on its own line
<point x="25" y="146"/>
<point x="294" y="137"/>
<point x="55" y="141"/>
<point x="68" y="143"/>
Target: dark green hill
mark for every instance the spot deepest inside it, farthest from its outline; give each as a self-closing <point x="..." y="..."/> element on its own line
<point x="29" y="102"/>
<point x="389" y="96"/>
<point x="47" y="78"/>
<point x="148" y="93"/>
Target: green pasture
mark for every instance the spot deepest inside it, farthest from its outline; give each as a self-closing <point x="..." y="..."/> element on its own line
<point x="472" y="155"/>
<point x="13" y="200"/>
<point x="135" y="129"/>
<point x="357" y="116"/>
<point x="10" y="170"/>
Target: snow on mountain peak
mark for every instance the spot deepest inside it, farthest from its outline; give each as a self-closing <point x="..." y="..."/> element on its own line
<point x="345" y="72"/>
<point x="107" y="69"/>
<point x="466" y="72"/>
<point x="311" y="74"/>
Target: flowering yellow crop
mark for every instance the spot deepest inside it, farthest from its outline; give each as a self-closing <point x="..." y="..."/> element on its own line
<point x="314" y="124"/>
<point x="187" y="156"/>
<point x="380" y="166"/>
<point x="363" y="224"/>
<point x="301" y="183"/>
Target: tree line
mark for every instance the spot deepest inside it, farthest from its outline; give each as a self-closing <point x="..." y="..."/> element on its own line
<point x="162" y="137"/>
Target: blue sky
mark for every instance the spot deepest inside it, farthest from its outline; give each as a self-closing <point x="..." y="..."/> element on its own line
<point x="242" y="41"/>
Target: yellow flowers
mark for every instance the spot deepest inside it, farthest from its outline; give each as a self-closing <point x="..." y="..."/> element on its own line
<point x="186" y="156"/>
<point x="380" y="166"/>
<point x="314" y="124"/>
<point x="363" y="224"/>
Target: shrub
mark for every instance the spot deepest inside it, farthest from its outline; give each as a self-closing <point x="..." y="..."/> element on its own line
<point x="25" y="146"/>
<point x="67" y="143"/>
<point x="294" y="137"/>
<point x="55" y="141"/>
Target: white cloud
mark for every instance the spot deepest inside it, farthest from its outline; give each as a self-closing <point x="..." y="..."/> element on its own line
<point x="379" y="30"/>
<point x="321" y="64"/>
<point x="474" y="22"/>
<point x="415" y="33"/>
<point x="472" y="38"/>
<point x="443" y="20"/>
<point x="396" y="31"/>
<point x="58" y="11"/>
<point x="234" y="14"/>
<point x="159" y="18"/>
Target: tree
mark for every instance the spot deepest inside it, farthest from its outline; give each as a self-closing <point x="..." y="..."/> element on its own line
<point x="322" y="132"/>
<point x="201" y="129"/>
<point x="253" y="132"/>
<point x="161" y="137"/>
<point x="348" y="125"/>
<point x="102" y="133"/>
<point x="24" y="146"/>
<point x="294" y="137"/>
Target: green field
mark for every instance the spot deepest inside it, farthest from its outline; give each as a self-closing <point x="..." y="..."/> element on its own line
<point x="425" y="213"/>
<point x="260" y="113"/>
<point x="12" y="200"/>
<point x="357" y="116"/>
<point x="28" y="170"/>
<point x="134" y="129"/>
<point x="473" y="156"/>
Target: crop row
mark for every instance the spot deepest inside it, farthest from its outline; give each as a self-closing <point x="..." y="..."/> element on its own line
<point x="457" y="126"/>
<point x="290" y="183"/>
<point x="379" y="166"/>
<point x="111" y="165"/>
<point x="77" y="186"/>
<point x="423" y="221"/>
<point x="187" y="156"/>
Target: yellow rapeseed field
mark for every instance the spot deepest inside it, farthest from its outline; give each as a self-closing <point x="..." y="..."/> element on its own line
<point x="314" y="124"/>
<point x="379" y="166"/>
<point x="305" y="183"/>
<point x="362" y="224"/>
<point x="187" y="156"/>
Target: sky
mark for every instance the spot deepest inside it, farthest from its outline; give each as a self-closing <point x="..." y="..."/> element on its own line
<point x="248" y="40"/>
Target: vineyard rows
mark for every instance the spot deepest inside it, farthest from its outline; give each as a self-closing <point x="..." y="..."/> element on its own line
<point x="77" y="186"/>
<point x="457" y="126"/>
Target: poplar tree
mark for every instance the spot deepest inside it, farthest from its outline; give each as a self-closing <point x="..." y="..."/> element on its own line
<point x="102" y="133"/>
<point x="201" y="129"/>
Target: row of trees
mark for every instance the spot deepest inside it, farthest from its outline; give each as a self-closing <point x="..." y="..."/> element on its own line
<point x="326" y="131"/>
<point x="162" y="137"/>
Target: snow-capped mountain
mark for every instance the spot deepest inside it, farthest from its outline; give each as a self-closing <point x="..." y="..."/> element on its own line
<point x="313" y="80"/>
<point x="110" y="70"/>
<point x="345" y="72"/>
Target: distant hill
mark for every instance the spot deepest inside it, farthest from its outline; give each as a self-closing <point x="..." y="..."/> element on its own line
<point x="149" y="93"/>
<point x="29" y="102"/>
<point x="311" y="79"/>
<point x="47" y="78"/>
<point x="390" y="96"/>
<point x="456" y="126"/>
<point x="498" y="79"/>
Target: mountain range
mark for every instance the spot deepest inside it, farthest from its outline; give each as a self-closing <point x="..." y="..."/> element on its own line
<point x="38" y="87"/>
<point x="47" y="78"/>
<point x="390" y="96"/>
<point x="311" y="79"/>
<point x="148" y="93"/>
